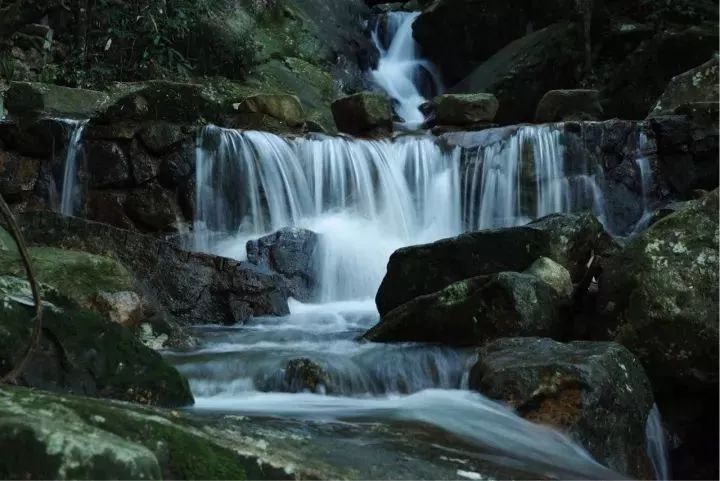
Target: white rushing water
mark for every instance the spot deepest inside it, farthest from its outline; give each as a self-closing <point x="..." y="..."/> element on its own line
<point x="657" y="448"/>
<point x="646" y="182"/>
<point x="68" y="192"/>
<point x="401" y="72"/>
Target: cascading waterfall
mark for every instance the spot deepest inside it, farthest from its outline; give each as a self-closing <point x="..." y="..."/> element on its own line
<point x="401" y="72"/>
<point x="68" y="194"/>
<point x="656" y="448"/>
<point x="646" y="182"/>
<point x="365" y="199"/>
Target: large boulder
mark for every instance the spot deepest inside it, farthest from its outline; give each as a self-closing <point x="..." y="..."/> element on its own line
<point x="464" y="109"/>
<point x="285" y="108"/>
<point x="473" y="311"/>
<point x="81" y="352"/>
<point x="35" y="99"/>
<point x="191" y="287"/>
<point x="363" y="114"/>
<point x="523" y="71"/>
<point x="290" y="253"/>
<point x="569" y="239"/>
<point x="564" y="105"/>
<point x="596" y="392"/>
<point x="699" y="84"/>
<point x="305" y="375"/>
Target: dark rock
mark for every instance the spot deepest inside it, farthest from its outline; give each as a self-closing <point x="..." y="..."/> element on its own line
<point x="697" y="85"/>
<point x="192" y="288"/>
<point x="473" y="311"/>
<point x="305" y="375"/>
<point x="28" y="98"/>
<point x="290" y="253"/>
<point x="108" y="207"/>
<point x="44" y="138"/>
<point x="363" y="114"/>
<point x="145" y="166"/>
<point x="178" y="167"/>
<point x="413" y="271"/>
<point x="82" y="353"/>
<point x="283" y="107"/>
<point x="153" y="208"/>
<point x="563" y="105"/>
<point x="523" y="71"/>
<point x="18" y="175"/>
<point x="107" y="164"/>
<point x="160" y="137"/>
<point x="115" y="131"/>
<point x="464" y="109"/>
<point x="596" y="392"/>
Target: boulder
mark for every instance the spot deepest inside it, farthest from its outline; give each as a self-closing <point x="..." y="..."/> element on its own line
<point x="124" y="308"/>
<point x="153" y="208"/>
<point x="81" y="352"/>
<point x="18" y="175"/>
<point x="192" y="288"/>
<point x="363" y="114"/>
<point x="524" y="70"/>
<point x="161" y="137"/>
<point x="108" y="207"/>
<point x="596" y="392"/>
<point x="37" y="99"/>
<point x="107" y="164"/>
<point x="464" y="109"/>
<point x="554" y="275"/>
<point x="283" y="107"/>
<point x="290" y="253"/>
<point x="660" y="297"/>
<point x="699" y="84"/>
<point x="564" y="105"/>
<point x="474" y="311"/>
<point x="569" y="239"/>
<point x="305" y="375"/>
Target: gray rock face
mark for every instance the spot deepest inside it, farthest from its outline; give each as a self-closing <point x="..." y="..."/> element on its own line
<point x="413" y="271"/>
<point x="564" y="105"/>
<point x="363" y="114"/>
<point x="596" y="392"/>
<point x="289" y="253"/>
<point x="193" y="288"/>
<point x="697" y="85"/>
<point x="30" y="98"/>
<point x="473" y="311"/>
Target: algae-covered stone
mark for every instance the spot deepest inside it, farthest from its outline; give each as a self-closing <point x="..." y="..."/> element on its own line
<point x="596" y="392"/>
<point x="553" y="274"/>
<point x="81" y="352"/>
<point x="30" y="98"/>
<point x="364" y="113"/>
<point x="462" y="109"/>
<point x="660" y="297"/>
<point x="286" y="108"/>
<point x="473" y="311"/>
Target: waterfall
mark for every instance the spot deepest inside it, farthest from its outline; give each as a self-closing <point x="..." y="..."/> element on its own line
<point x="515" y="181"/>
<point x="401" y="72"/>
<point x="364" y="198"/>
<point x="68" y="194"/>
<point x="656" y="445"/>
<point x="646" y="182"/>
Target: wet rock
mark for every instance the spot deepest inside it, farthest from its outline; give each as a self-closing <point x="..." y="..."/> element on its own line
<point x="697" y="85"/>
<point x="191" y="288"/>
<point x="285" y="108"/>
<point x="464" y="109"/>
<point x="107" y="164"/>
<point x="178" y="167"/>
<point x="554" y="275"/>
<point x="363" y="114"/>
<point x="305" y="375"/>
<point x="153" y="208"/>
<point x="160" y="137"/>
<point x="30" y="98"/>
<point x="564" y="105"/>
<point x="473" y="311"/>
<point x="569" y="239"/>
<point x="81" y="352"/>
<point x="124" y="308"/>
<point x="596" y="392"/>
<point x="108" y="207"/>
<point x="524" y="70"/>
<point x="18" y="175"/>
<point x="145" y="166"/>
<point x="290" y="253"/>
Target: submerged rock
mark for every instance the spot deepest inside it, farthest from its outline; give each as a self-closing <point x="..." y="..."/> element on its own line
<point x="564" y="105"/>
<point x="290" y="253"/>
<point x="305" y="375"/>
<point x="597" y="392"/>
<point x="363" y="114"/>
<point x="473" y="311"/>
<point x="569" y="239"/>
<point x="82" y="353"/>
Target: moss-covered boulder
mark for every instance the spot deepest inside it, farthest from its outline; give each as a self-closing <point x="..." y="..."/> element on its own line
<point x="697" y="85"/>
<point x="660" y="297"/>
<point x="474" y="311"/>
<point x="81" y="352"/>
<point x="553" y="274"/>
<point x="363" y="114"/>
<point x="29" y="98"/>
<point x="465" y="109"/>
<point x="596" y="392"/>
<point x="285" y="108"/>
